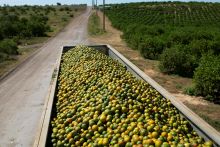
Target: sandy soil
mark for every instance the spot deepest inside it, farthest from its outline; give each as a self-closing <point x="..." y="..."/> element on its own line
<point x="23" y="92"/>
<point x="174" y="84"/>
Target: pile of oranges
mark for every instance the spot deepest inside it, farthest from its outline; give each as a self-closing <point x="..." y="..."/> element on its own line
<point x="100" y="103"/>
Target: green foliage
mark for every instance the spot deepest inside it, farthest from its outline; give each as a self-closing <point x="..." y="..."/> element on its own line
<point x="62" y="9"/>
<point x="190" y="90"/>
<point x="71" y="15"/>
<point x="64" y="18"/>
<point x="165" y="13"/>
<point x="37" y="25"/>
<point x="9" y="47"/>
<point x="23" y="23"/>
<point x="152" y="27"/>
<point x="151" y="48"/>
<point x="3" y="57"/>
<point x="198" y="47"/>
<point x="214" y="46"/>
<point x="179" y="37"/>
<point x="66" y="8"/>
<point x="12" y="25"/>
<point x="31" y="21"/>
<point x="177" y="60"/>
<point x="9" y="25"/>
<point x="207" y="77"/>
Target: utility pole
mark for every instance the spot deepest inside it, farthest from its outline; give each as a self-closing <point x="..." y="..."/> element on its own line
<point x="92" y="4"/>
<point x="104" y="15"/>
<point x="96" y="8"/>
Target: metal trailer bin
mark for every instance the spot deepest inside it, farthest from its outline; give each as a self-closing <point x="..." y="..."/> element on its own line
<point x="198" y="124"/>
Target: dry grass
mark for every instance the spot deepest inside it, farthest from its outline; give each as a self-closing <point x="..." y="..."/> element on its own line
<point x="209" y="113"/>
<point x="94" y="25"/>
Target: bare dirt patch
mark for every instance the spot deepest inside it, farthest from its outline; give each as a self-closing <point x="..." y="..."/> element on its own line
<point x="173" y="83"/>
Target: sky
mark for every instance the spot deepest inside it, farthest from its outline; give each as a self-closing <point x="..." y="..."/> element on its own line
<point x="44" y="2"/>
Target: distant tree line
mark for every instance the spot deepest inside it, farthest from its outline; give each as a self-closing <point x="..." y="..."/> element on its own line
<point x="24" y="22"/>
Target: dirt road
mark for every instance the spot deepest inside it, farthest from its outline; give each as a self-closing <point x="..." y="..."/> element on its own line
<point x="23" y="92"/>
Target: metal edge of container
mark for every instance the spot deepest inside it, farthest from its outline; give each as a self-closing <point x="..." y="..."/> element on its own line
<point x="195" y="120"/>
<point x="42" y="132"/>
<point x="203" y="127"/>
